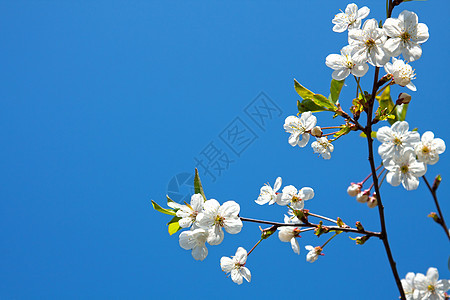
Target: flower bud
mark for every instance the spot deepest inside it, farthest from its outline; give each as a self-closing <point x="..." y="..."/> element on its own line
<point x="403" y="98"/>
<point x="316" y="131"/>
<point x="372" y="202"/>
<point x="354" y="189"/>
<point x="363" y="196"/>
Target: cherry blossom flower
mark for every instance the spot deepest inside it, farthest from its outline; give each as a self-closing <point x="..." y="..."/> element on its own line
<point x="351" y="19"/>
<point x="367" y="44"/>
<point x="188" y="213"/>
<point x="344" y="65"/>
<point x="195" y="240"/>
<point x="429" y="148"/>
<point x="236" y="266"/>
<point x="405" y="169"/>
<point x="313" y="253"/>
<point x="295" y="198"/>
<point x="408" y="286"/>
<point x="299" y="127"/>
<point x="406" y="35"/>
<point x="289" y="234"/>
<point x="214" y="217"/>
<point x="269" y="194"/>
<point x="396" y="138"/>
<point x="429" y="287"/>
<point x="401" y="72"/>
<point x="323" y="146"/>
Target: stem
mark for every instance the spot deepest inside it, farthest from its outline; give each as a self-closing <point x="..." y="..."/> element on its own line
<point x="330" y="127"/>
<point x="331" y="133"/>
<point x="248" y="253"/>
<point x="368" y="176"/>
<point x="313" y="226"/>
<point x="441" y="216"/>
<point x="359" y="86"/>
<point x="368" y="131"/>
<point x="382" y="179"/>
<point x="322" y="217"/>
<point x="328" y="240"/>
<point x="383" y="88"/>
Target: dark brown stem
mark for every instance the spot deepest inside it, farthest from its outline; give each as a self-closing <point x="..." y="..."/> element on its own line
<point x="441" y="216"/>
<point x="384" y="237"/>
<point x="311" y="225"/>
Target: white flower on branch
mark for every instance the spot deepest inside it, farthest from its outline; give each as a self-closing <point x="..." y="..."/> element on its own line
<point x="351" y="19"/>
<point x="299" y="128"/>
<point x="343" y="65"/>
<point x="269" y="194"/>
<point x="406" y="35"/>
<point x="195" y="240"/>
<point x="401" y="72"/>
<point x="215" y="216"/>
<point x="290" y="233"/>
<point x="405" y="169"/>
<point x="236" y="266"/>
<point x="296" y="199"/>
<point x="408" y="286"/>
<point x="367" y="44"/>
<point x="429" y="148"/>
<point x="188" y="213"/>
<point x="313" y="253"/>
<point x="429" y="287"/>
<point x="396" y="139"/>
<point x="323" y="146"/>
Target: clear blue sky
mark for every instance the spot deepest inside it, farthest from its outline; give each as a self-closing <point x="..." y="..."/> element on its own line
<point x="103" y="103"/>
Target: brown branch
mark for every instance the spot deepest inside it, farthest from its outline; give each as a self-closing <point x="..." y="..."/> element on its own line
<point x="441" y="220"/>
<point x="368" y="131"/>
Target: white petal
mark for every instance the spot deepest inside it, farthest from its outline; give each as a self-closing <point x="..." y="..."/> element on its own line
<point x="363" y="12"/>
<point x="432" y="275"/>
<point x="233" y="225"/>
<point x="241" y="255"/>
<point x="295" y="246"/>
<point x="215" y="235"/>
<point x="422" y="33"/>
<point x="392" y="27"/>
<point x="412" y="53"/>
<point x="199" y="252"/>
<point x="246" y="274"/>
<point x="394" y="178"/>
<point x="334" y="61"/>
<point x="410" y="182"/>
<point x="392" y="46"/>
<point x="293" y="138"/>
<point x="340" y="74"/>
<point x="277" y="184"/>
<point x="306" y="193"/>
<point x="360" y="70"/>
<point x="197" y="202"/>
<point x="229" y="209"/>
<point x="304" y="141"/>
<point x="236" y="276"/>
<point x="227" y="264"/>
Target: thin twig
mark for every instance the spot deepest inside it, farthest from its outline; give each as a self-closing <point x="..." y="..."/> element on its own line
<point x="441" y="216"/>
<point x="322" y="217"/>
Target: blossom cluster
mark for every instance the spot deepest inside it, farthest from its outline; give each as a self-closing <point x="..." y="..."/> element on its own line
<point x="206" y="220"/>
<point x="419" y="286"/>
<point x="374" y="45"/>
<point x="406" y="155"/>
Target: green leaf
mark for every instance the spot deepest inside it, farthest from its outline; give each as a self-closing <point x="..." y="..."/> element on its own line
<point x="335" y="90"/>
<point x="385" y="101"/>
<point x="163" y="210"/>
<point x="303" y="92"/>
<point x="323" y="101"/>
<point x="308" y="105"/>
<point x="198" y="185"/>
<point x="400" y="112"/>
<point x="173" y="227"/>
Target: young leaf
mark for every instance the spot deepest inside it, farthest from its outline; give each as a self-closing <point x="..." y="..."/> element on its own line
<point x="335" y="90"/>
<point x="401" y="112"/>
<point x="198" y="185"/>
<point x="173" y="227"/>
<point x="303" y="92"/>
<point x="163" y="210"/>
<point x="308" y="105"/>
<point x="374" y="135"/>
<point x="323" y="101"/>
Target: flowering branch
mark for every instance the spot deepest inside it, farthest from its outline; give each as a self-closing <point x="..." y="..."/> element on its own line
<point x="311" y="225"/>
<point x="439" y="219"/>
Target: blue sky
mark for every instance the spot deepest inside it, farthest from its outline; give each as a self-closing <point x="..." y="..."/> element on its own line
<point x="103" y="103"/>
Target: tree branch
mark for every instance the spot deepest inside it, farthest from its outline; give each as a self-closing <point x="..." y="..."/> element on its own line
<point x="441" y="220"/>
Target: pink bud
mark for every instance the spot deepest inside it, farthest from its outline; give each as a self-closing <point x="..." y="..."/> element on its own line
<point x="363" y="196"/>
<point x="372" y="202"/>
<point x="354" y="189"/>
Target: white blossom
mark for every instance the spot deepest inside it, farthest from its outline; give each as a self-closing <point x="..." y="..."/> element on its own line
<point x="188" y="213"/>
<point x="367" y="44"/>
<point x="429" y="148"/>
<point x="299" y="128"/>
<point x="236" y="266"/>
<point x="296" y="199"/>
<point x="289" y="234"/>
<point x="344" y="65"/>
<point x="405" y="169"/>
<point x="402" y="73"/>
<point x="269" y="194"/>
<point x="395" y="139"/>
<point x="214" y="217"/>
<point x="195" y="240"/>
<point x="313" y="253"/>
<point x="323" y="146"/>
<point x="429" y="287"/>
<point x="351" y="19"/>
<point x="408" y="286"/>
<point x="406" y="35"/>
